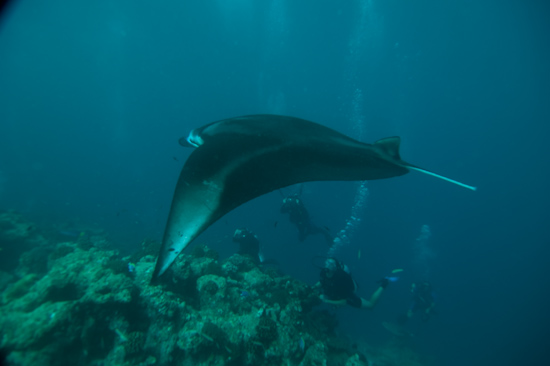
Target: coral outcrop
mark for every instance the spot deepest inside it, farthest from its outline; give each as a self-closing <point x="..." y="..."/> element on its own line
<point x="88" y="306"/>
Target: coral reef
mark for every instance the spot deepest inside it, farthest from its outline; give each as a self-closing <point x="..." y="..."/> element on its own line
<point x="88" y="306"/>
<point x="18" y="236"/>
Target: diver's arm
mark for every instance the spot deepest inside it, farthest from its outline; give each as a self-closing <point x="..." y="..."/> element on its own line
<point x="333" y="302"/>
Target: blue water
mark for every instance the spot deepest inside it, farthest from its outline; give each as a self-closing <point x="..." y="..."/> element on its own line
<point x="95" y="95"/>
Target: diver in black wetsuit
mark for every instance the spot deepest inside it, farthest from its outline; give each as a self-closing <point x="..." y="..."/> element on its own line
<point x="298" y="215"/>
<point x="339" y="287"/>
<point x="249" y="244"/>
<point x="423" y="302"/>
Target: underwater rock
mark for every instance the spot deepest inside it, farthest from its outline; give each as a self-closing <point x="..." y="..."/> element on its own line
<point x="5" y="280"/>
<point x="356" y="360"/>
<point x="39" y="308"/>
<point x="134" y="343"/>
<point x="88" y="306"/>
<point x="236" y="265"/>
<point x="19" y="288"/>
<point x="256" y="278"/>
<point x="18" y="236"/>
<point x="316" y="355"/>
<point x="35" y="261"/>
<point x="266" y="330"/>
<point x="211" y="291"/>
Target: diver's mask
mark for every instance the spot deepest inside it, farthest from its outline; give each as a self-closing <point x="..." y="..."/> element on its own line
<point x="290" y="199"/>
<point x="239" y="234"/>
<point x="331" y="265"/>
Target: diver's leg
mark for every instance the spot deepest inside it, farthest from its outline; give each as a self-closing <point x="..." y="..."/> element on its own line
<point x="373" y="299"/>
<point x="314" y="229"/>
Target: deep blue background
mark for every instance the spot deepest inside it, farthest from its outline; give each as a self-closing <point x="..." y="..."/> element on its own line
<point x="94" y="96"/>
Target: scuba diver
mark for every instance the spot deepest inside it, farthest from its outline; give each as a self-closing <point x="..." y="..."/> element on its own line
<point x="423" y="301"/>
<point x="249" y="244"/>
<point x="298" y="215"/>
<point x="339" y="288"/>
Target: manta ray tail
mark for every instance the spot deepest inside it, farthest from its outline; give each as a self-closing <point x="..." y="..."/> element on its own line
<point x="390" y="146"/>
<point x="441" y="177"/>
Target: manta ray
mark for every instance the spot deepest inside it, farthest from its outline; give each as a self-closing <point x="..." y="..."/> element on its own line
<point x="241" y="158"/>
